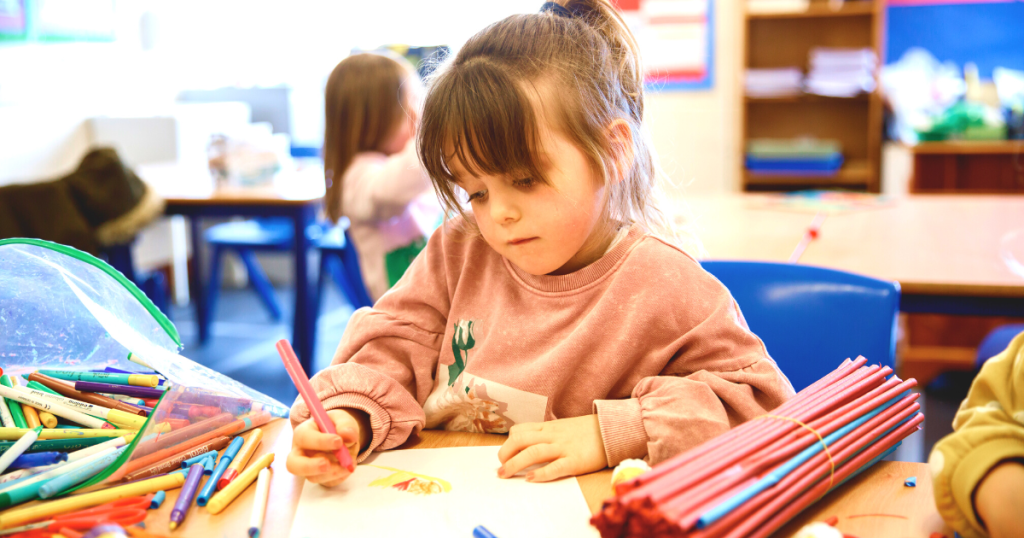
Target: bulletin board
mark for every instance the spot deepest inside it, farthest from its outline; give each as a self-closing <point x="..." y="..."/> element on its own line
<point x="676" y="40"/>
<point x="13" y="21"/>
<point x="986" y="32"/>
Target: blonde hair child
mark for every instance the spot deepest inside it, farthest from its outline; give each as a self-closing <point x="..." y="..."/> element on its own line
<point x="370" y="165"/>
<point x="556" y="306"/>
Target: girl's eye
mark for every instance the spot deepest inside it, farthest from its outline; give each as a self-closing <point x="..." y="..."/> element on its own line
<point x="478" y="195"/>
<point x="524" y="183"/>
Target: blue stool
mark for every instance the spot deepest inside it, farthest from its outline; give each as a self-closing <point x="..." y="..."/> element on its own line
<point x="995" y="342"/>
<point x="339" y="260"/>
<point x="153" y="284"/>
<point x="245" y="238"/>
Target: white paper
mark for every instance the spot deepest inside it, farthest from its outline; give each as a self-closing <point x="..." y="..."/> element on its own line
<point x="509" y="508"/>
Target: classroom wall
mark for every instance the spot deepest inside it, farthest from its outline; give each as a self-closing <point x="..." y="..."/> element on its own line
<point x="696" y="133"/>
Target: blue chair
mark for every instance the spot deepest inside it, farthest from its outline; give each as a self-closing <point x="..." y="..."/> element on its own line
<point x="339" y="260"/>
<point x="995" y="342"/>
<point x="812" y="318"/>
<point x="245" y="238"/>
<point x="153" y="284"/>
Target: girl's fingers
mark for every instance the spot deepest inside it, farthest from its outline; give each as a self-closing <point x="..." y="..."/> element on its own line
<point x="300" y="464"/>
<point x="531" y="455"/>
<point x="310" y="438"/>
<point x="519" y="441"/>
<point x="336" y="476"/>
<point x="559" y="468"/>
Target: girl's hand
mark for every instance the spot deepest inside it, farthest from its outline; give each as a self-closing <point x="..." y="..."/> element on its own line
<point x="569" y="446"/>
<point x="312" y="455"/>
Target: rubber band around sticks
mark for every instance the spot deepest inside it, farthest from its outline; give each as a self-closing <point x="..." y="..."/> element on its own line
<point x="824" y="445"/>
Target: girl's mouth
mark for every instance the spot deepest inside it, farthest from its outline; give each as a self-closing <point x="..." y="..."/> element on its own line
<point x="517" y="242"/>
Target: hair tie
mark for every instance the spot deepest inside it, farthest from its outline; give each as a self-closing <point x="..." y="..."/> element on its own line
<point x="557" y="9"/>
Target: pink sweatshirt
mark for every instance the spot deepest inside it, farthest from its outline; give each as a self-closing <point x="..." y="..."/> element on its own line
<point x="643" y="337"/>
<point x="390" y="203"/>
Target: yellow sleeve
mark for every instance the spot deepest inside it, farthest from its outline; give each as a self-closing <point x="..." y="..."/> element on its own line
<point x="988" y="429"/>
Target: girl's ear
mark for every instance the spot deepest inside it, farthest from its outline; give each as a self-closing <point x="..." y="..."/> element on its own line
<point x="620" y="143"/>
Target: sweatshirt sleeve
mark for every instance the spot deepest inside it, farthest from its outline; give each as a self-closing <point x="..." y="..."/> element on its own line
<point x="387" y="358"/>
<point x="719" y="376"/>
<point x="988" y="429"/>
<point x="381" y="189"/>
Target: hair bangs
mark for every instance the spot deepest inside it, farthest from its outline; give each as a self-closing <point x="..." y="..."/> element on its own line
<point x="477" y="120"/>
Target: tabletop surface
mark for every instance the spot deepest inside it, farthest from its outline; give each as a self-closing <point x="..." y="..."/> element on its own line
<point x="883" y="506"/>
<point x="936" y="244"/>
<point x="190" y="185"/>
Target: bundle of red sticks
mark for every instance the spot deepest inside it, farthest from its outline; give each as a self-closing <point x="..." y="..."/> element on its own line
<point x="754" y="478"/>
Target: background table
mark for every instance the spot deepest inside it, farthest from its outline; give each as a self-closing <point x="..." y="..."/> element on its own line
<point x="942" y="249"/>
<point x="878" y="490"/>
<point x="295" y="195"/>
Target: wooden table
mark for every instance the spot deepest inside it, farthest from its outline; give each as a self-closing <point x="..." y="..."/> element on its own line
<point x="878" y="490"/>
<point x="295" y="195"/>
<point x="944" y="250"/>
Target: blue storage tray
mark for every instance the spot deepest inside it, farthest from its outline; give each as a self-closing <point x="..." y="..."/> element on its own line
<point x="801" y="166"/>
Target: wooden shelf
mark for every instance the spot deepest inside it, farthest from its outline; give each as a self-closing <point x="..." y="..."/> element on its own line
<point x="808" y="98"/>
<point x="820" y="9"/>
<point x="855" y="173"/>
<point x="970" y="147"/>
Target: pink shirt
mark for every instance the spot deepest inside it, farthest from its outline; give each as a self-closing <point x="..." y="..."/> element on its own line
<point x="643" y="337"/>
<point x="390" y="202"/>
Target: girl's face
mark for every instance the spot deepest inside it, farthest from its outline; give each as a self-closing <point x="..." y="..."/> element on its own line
<point x="545" y="229"/>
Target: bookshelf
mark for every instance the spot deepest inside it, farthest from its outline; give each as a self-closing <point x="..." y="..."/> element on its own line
<point x="783" y="39"/>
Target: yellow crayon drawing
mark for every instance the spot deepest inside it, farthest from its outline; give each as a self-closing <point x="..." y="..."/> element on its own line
<point x="411" y="482"/>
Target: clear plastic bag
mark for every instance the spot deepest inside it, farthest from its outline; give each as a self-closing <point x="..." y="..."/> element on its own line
<point x="61" y="308"/>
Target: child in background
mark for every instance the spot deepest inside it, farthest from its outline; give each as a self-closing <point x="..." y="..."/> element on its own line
<point x="978" y="470"/>
<point x="370" y="166"/>
<point x="561" y="308"/>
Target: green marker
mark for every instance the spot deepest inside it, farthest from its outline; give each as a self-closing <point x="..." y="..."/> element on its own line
<point x="16" y="413"/>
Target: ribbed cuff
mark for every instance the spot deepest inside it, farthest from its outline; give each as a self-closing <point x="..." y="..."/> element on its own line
<point x="973" y="467"/>
<point x="622" y="429"/>
<point x="380" y="421"/>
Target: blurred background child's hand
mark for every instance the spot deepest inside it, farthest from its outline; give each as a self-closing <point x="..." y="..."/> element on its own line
<point x="312" y="454"/>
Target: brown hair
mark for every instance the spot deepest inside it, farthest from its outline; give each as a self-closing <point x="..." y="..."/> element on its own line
<point x="479" y="104"/>
<point x="365" y="104"/>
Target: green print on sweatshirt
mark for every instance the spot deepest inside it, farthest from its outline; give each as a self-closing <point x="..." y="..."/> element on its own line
<point x="462" y="342"/>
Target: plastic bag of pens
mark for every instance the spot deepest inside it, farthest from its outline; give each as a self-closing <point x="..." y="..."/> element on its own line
<point x="89" y="358"/>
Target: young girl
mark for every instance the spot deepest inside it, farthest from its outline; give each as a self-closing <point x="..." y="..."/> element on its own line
<point x="559" y="309"/>
<point x="372" y="174"/>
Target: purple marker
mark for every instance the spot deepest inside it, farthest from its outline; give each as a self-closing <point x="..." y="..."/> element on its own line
<point x="188" y="492"/>
<point x="127" y="390"/>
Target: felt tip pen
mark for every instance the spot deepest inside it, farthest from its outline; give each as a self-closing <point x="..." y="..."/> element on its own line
<point x="66" y="389"/>
<point x="21" y="395"/>
<point x="241" y="459"/>
<point x="130" y="420"/>
<point x="211" y="484"/>
<point x="157" y="500"/>
<point x="316" y="409"/>
<point x="73" y="478"/>
<point x="259" y="503"/>
<point x="38" y="459"/>
<point x="127" y="390"/>
<point x="19" y="447"/>
<point x="188" y="492"/>
<point x="137" y="380"/>
<point x="481" y="532"/>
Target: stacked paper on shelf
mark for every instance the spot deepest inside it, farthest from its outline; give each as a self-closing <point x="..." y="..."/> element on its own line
<point x="798" y="156"/>
<point x="841" y="72"/>
<point x="777" y="6"/>
<point x="779" y="82"/>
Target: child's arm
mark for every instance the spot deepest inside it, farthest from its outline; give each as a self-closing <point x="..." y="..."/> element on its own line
<point x="382" y="189"/>
<point x="973" y="469"/>
<point x="385" y="363"/>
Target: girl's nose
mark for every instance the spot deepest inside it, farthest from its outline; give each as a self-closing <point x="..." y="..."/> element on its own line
<point x="504" y="210"/>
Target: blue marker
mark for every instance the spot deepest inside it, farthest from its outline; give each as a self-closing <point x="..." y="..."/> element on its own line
<point x="210" y="487"/>
<point x="191" y="461"/>
<point x="37" y="459"/>
<point x="481" y="532"/>
<point x="158" y="499"/>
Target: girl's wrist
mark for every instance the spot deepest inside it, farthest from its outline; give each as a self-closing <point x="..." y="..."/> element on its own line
<point x="999" y="496"/>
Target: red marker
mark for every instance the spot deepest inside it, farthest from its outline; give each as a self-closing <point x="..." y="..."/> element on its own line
<point x="811" y="235"/>
<point x="316" y="409"/>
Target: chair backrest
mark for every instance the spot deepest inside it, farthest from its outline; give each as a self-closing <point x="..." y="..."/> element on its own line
<point x="812" y="318"/>
<point x="337" y="242"/>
